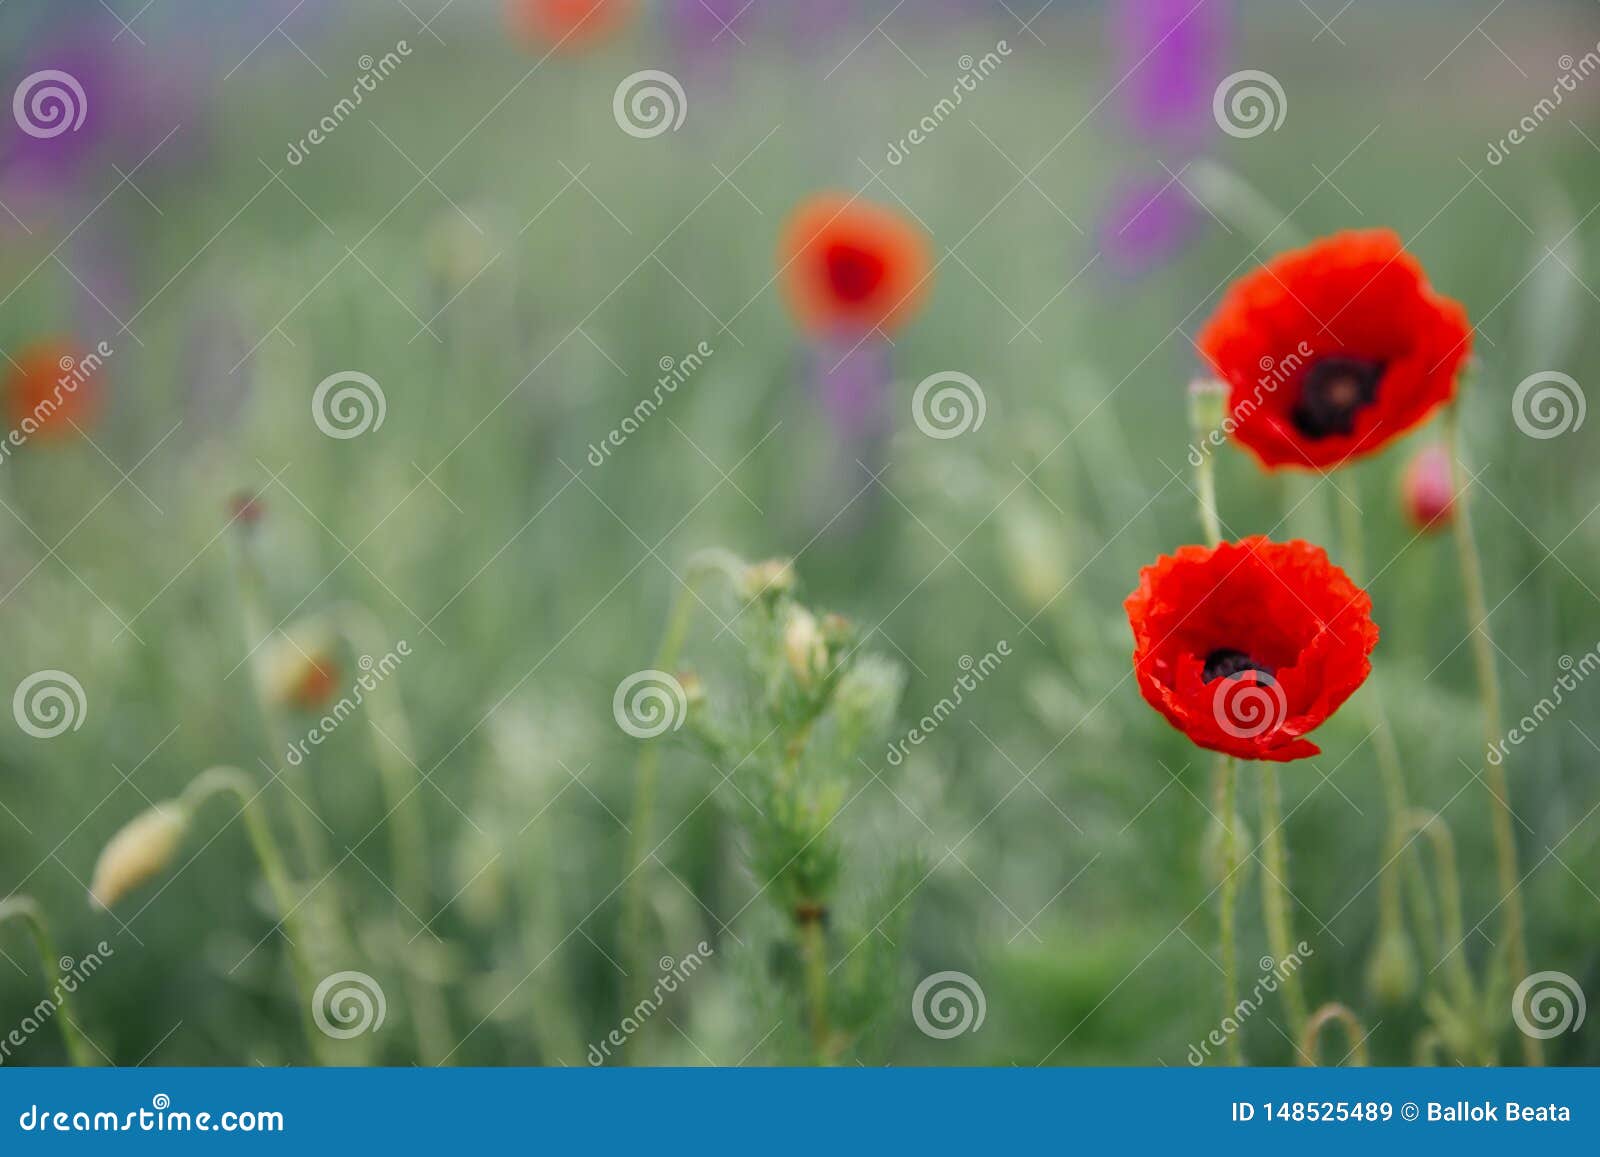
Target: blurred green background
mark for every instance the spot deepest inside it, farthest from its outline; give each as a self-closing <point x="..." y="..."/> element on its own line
<point x="482" y="239"/>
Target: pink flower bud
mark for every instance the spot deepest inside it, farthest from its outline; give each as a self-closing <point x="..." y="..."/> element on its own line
<point x="1427" y="488"/>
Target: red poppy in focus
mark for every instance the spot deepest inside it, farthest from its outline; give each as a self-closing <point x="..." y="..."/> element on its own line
<point x="1245" y="647"/>
<point x="1334" y="350"/>
<point x="1428" y="488"/>
<point x="850" y="266"/>
<point x="51" y="390"/>
<point x="567" y="23"/>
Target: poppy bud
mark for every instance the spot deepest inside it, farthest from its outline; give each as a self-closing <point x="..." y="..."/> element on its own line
<point x="804" y="647"/>
<point x="1427" y="488"/>
<point x="245" y="509"/>
<point x="1392" y="969"/>
<point x="1207" y="404"/>
<point x="141" y="850"/>
<point x="299" y="667"/>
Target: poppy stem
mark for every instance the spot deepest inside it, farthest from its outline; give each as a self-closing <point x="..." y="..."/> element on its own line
<point x="25" y="909"/>
<point x="220" y="780"/>
<point x="1387" y="750"/>
<point x="1206" y="405"/>
<point x="1354" y="1031"/>
<point x="1444" y="855"/>
<point x="1477" y="608"/>
<point x="1227" y="780"/>
<point x="1275" y="905"/>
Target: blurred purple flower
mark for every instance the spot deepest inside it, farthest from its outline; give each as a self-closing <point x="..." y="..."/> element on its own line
<point x="130" y="101"/>
<point x="1171" y="53"/>
<point x="1149" y="220"/>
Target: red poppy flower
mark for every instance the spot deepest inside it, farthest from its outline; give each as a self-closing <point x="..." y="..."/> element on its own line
<point x="1334" y="350"/>
<point x="1245" y="647"/>
<point x="852" y="266"/>
<point x="51" y="390"/>
<point x="568" y="24"/>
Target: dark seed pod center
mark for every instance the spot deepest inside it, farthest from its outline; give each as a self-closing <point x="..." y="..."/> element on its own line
<point x="1225" y="663"/>
<point x="1332" y="392"/>
<point x="854" y="273"/>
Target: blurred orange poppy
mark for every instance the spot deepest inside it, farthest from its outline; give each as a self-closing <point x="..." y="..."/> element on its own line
<point x="51" y="389"/>
<point x="567" y="24"/>
<point x="851" y="265"/>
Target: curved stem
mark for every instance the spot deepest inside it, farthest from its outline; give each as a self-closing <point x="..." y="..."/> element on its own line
<point x="1227" y="776"/>
<point x="1444" y="852"/>
<point x="1477" y="608"/>
<point x="230" y="780"/>
<point x="24" y="908"/>
<point x="1353" y="1028"/>
<point x="1275" y="895"/>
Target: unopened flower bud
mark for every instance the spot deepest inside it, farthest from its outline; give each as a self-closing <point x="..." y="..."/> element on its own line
<point x="804" y="647"/>
<point x="837" y="631"/>
<point x="694" y="691"/>
<point x="141" y="850"/>
<point x="767" y="579"/>
<point x="1427" y="488"/>
<point x="299" y="668"/>
<point x="1392" y="969"/>
<point x="245" y="510"/>
<point x="1208" y="400"/>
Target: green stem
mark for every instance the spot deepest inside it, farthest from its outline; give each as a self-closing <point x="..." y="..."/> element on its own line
<point x="220" y="780"/>
<point x="400" y="779"/>
<point x="24" y="908"/>
<point x="1444" y="855"/>
<point x="813" y="947"/>
<point x="644" y="795"/>
<point x="1227" y="808"/>
<point x="1477" y="608"/>
<point x="309" y="837"/>
<point x="1275" y="895"/>
<point x="1391" y="912"/>
<point x="1354" y="1031"/>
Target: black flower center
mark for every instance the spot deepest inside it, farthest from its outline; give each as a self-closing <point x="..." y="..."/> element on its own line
<point x="1225" y="663"/>
<point x="854" y="273"/>
<point x="1331" y="394"/>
